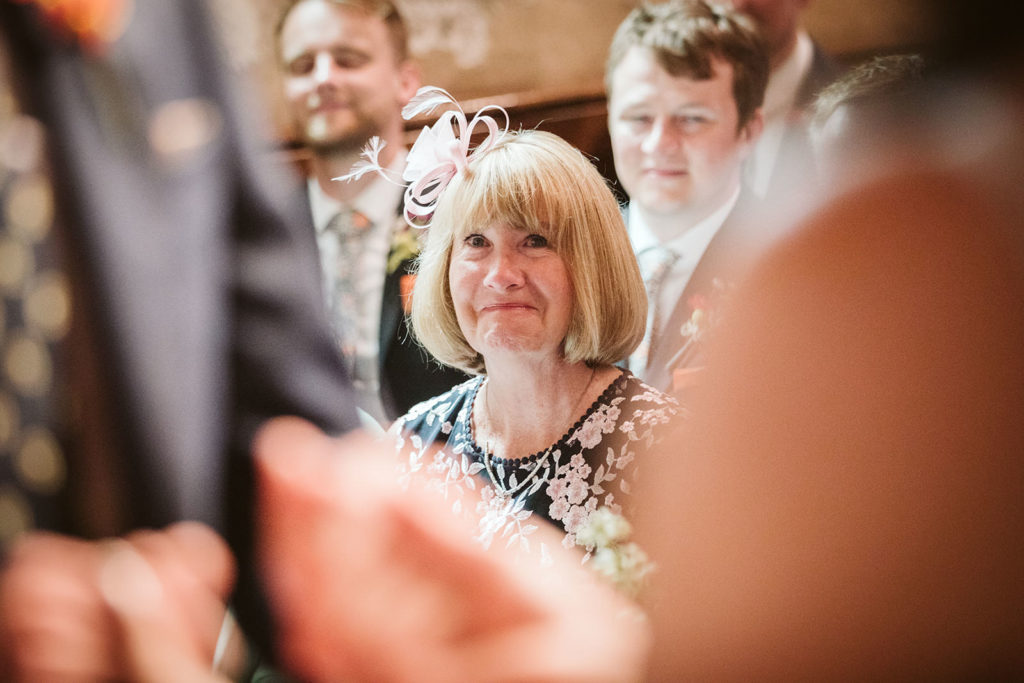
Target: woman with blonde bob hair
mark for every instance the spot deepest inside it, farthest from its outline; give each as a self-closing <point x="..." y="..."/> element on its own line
<point x="541" y="184"/>
<point x="528" y="281"/>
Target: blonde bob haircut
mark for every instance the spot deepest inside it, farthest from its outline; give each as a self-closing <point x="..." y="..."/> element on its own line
<point x="538" y="182"/>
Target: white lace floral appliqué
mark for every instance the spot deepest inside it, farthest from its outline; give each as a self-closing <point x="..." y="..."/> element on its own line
<point x="576" y="487"/>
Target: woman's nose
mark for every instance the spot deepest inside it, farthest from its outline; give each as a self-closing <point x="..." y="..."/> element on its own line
<point x="505" y="271"/>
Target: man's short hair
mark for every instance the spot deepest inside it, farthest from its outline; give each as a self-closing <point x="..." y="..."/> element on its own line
<point x="686" y="35"/>
<point x="385" y="9"/>
<point x="537" y="181"/>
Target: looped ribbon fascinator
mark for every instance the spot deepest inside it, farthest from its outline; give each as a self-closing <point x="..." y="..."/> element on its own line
<point x="440" y="152"/>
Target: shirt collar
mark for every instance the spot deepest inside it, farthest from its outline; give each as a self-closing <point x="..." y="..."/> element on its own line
<point x="692" y="240"/>
<point x="378" y="202"/>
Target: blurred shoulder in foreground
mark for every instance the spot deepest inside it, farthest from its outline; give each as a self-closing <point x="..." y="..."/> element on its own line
<point x="850" y="505"/>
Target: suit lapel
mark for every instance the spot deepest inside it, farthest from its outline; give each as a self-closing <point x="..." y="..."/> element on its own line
<point x="666" y="344"/>
<point x="727" y="255"/>
<point x="391" y="310"/>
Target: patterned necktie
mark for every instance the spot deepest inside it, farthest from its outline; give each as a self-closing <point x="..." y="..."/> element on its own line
<point x="656" y="262"/>
<point x="352" y="269"/>
<point x="348" y="229"/>
<point x="35" y="314"/>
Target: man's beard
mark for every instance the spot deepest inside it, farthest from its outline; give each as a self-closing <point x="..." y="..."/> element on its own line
<point x="349" y="141"/>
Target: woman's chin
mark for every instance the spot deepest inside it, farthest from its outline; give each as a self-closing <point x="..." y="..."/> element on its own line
<point x="499" y="344"/>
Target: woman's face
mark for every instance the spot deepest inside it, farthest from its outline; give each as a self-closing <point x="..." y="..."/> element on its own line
<point x="512" y="292"/>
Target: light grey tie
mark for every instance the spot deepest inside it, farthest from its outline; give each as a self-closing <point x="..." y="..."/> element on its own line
<point x="656" y="262"/>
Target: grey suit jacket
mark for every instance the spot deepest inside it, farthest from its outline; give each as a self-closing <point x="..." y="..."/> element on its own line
<point x="731" y="251"/>
<point x="198" y="279"/>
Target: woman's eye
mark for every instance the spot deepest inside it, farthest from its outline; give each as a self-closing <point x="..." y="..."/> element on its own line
<point x="537" y="241"/>
<point x="475" y="241"/>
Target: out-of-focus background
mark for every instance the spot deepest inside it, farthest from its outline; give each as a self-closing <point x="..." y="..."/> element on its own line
<point x="544" y="59"/>
<point x="549" y="49"/>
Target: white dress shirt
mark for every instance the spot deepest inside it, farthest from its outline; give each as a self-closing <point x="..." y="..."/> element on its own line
<point x="379" y="203"/>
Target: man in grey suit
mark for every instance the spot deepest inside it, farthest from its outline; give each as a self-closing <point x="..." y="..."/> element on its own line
<point x="685" y="83"/>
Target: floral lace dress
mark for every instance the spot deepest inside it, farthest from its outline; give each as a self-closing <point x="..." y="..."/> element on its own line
<point x="592" y="466"/>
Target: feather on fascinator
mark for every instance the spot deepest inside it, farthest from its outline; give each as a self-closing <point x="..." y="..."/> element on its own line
<point x="440" y="152"/>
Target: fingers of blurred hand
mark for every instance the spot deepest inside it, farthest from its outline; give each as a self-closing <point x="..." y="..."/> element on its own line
<point x="499" y="603"/>
<point x="554" y="611"/>
<point x="56" y="594"/>
<point x="319" y="536"/>
<point x="53" y="623"/>
<point x="328" y="545"/>
<point x="195" y="569"/>
<point x="158" y="645"/>
<point x="206" y="553"/>
<point x="465" y="613"/>
<point x="588" y="634"/>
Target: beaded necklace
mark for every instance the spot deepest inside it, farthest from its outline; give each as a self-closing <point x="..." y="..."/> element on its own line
<point x="488" y="448"/>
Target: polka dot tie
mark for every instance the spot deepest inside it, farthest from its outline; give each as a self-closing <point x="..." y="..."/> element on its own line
<point x="35" y="311"/>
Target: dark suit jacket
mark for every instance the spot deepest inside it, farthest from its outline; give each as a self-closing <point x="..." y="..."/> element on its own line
<point x="823" y="71"/>
<point x="408" y="373"/>
<point x="199" y="281"/>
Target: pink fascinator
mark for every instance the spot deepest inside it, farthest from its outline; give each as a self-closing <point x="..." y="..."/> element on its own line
<point x="439" y="153"/>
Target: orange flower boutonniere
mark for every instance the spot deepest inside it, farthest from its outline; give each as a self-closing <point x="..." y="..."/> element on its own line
<point x="705" y="315"/>
<point x="405" y="245"/>
<point x="405" y="285"/>
<point x="93" y="23"/>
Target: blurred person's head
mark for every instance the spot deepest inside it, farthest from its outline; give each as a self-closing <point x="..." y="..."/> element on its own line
<point x="777" y="20"/>
<point x="571" y="253"/>
<point x="685" y="81"/>
<point x="860" y="104"/>
<point x="346" y="71"/>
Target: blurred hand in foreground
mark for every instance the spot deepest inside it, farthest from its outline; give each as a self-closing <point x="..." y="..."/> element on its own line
<point x="145" y="607"/>
<point x="369" y="581"/>
<point x="373" y="582"/>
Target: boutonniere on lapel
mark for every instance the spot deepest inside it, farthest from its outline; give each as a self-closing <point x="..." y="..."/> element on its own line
<point x="405" y="285"/>
<point x="705" y="315"/>
<point x="699" y="322"/>
<point x="405" y="245"/>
